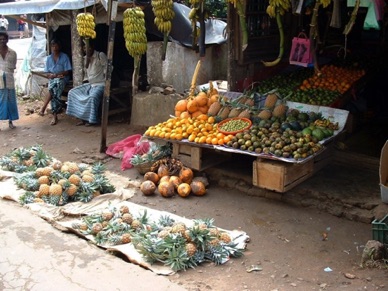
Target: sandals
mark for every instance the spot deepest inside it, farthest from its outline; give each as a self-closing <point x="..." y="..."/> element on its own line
<point x="79" y="123"/>
<point x="41" y="113"/>
<point x="11" y="126"/>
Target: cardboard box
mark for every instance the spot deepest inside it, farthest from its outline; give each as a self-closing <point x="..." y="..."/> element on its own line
<point x="280" y="176"/>
<point x="384" y="173"/>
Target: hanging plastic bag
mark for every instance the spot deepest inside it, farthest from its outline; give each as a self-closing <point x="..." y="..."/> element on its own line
<point x="126" y="148"/>
<point x="370" y="21"/>
<point x="336" y="15"/>
<point x="300" y="51"/>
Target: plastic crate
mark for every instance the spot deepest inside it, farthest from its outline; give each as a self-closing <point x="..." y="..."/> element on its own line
<point x="380" y="230"/>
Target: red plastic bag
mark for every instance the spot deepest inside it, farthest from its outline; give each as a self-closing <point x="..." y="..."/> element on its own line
<point x="126" y="148"/>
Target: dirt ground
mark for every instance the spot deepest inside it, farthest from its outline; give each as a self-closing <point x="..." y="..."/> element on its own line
<point x="286" y="242"/>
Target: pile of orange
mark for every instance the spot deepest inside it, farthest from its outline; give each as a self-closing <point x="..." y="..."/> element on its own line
<point x="193" y="106"/>
<point x="201" y="129"/>
<point x="333" y="78"/>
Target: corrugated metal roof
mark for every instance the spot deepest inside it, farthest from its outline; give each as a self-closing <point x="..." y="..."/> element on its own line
<point x="44" y="6"/>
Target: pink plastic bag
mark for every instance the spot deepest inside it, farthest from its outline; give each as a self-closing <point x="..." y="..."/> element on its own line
<point x="126" y="148"/>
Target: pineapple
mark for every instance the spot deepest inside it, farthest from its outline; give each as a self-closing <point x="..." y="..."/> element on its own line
<point x="39" y="172"/>
<point x="136" y="224"/>
<point x="163" y="233"/>
<point x="234" y="112"/>
<point x="71" y="190"/>
<point x="87" y="178"/>
<point x="179" y="227"/>
<point x="126" y="238"/>
<point x="270" y="101"/>
<point x="245" y="114"/>
<point x="73" y="167"/>
<point x="214" y="242"/>
<point x="224" y="237"/>
<point x="279" y="110"/>
<point x="56" y="165"/>
<point x="96" y="228"/>
<point x="74" y="179"/>
<point x="38" y="200"/>
<point x="44" y="189"/>
<point x="44" y="180"/>
<point x="65" y="168"/>
<point x="265" y="114"/>
<point x="64" y="183"/>
<point x="127" y="218"/>
<point x="87" y="172"/>
<point x="107" y="215"/>
<point x="55" y="189"/>
<point x="28" y="162"/>
<point x="191" y="249"/>
<point x="47" y="171"/>
<point x="187" y="236"/>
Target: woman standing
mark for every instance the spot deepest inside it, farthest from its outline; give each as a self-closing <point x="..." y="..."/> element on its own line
<point x="8" y="104"/>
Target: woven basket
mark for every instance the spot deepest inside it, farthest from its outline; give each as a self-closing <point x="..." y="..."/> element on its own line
<point x="143" y="168"/>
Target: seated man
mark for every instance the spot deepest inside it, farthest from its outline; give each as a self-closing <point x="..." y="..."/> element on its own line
<point x="84" y="101"/>
<point x="58" y="68"/>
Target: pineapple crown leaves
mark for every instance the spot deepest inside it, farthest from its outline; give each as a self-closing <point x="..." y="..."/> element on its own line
<point x="143" y="218"/>
<point x="102" y="184"/>
<point x="55" y="176"/>
<point x="27" y="198"/>
<point x="41" y="158"/>
<point x="166" y="220"/>
<point x="98" y="168"/>
<point x="217" y="254"/>
<point x="27" y="181"/>
<point x="152" y="248"/>
<point x="21" y="154"/>
<point x="178" y="260"/>
<point x="20" y="168"/>
<point x="209" y="222"/>
<point x="6" y="163"/>
<point x="200" y="237"/>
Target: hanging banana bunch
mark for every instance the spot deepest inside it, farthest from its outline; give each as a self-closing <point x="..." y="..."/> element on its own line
<point x="135" y="31"/>
<point x="194" y="16"/>
<point x="239" y="5"/>
<point x="164" y="13"/>
<point x="85" y="25"/>
<point x="276" y="9"/>
<point x="135" y="39"/>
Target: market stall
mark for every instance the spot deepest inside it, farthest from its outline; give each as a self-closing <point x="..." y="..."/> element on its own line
<point x="289" y="140"/>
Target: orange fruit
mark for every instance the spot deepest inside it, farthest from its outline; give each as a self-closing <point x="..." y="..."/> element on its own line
<point x="211" y="119"/>
<point x="202" y="139"/>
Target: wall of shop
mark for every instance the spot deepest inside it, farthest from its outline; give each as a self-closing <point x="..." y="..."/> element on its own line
<point x="178" y="67"/>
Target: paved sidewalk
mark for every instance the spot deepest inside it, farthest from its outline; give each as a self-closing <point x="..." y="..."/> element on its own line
<point x="36" y="256"/>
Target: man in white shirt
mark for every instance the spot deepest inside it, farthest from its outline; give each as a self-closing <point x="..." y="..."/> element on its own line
<point x="3" y="23"/>
<point x="84" y="101"/>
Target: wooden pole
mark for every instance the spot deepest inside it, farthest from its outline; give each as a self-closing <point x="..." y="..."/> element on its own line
<point x="108" y="74"/>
